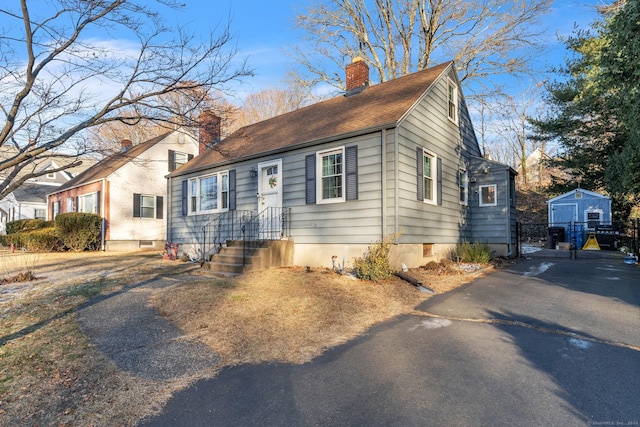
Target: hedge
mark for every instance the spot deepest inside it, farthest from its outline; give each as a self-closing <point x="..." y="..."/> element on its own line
<point x="74" y="231"/>
<point x="79" y="231"/>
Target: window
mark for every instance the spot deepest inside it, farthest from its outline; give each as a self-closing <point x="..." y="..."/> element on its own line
<point x="88" y="203"/>
<point x="69" y="204"/>
<point x="463" y="186"/>
<point x="452" y="104"/>
<point x="40" y="213"/>
<point x="55" y="208"/>
<point x="331" y="176"/>
<point x="146" y="206"/>
<point x="331" y="182"/>
<point x="209" y="193"/>
<point x="488" y="195"/>
<point x="177" y="159"/>
<point x="428" y="177"/>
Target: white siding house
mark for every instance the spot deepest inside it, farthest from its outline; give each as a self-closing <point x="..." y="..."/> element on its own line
<point x="128" y="189"/>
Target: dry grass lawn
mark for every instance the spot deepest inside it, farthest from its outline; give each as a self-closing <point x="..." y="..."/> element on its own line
<point x="50" y="374"/>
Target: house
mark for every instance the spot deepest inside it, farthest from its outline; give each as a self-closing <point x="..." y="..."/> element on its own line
<point x="29" y="201"/>
<point x="399" y="159"/>
<point x="128" y="190"/>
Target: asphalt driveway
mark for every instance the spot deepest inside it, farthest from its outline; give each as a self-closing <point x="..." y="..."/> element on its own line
<point x="541" y="343"/>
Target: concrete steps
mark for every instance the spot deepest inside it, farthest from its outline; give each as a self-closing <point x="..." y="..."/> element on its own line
<point x="228" y="262"/>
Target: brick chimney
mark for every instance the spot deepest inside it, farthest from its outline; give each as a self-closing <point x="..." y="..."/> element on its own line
<point x="357" y="76"/>
<point x="209" y="132"/>
<point x="125" y="144"/>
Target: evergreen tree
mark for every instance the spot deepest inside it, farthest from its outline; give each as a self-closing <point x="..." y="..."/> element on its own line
<point x="593" y="111"/>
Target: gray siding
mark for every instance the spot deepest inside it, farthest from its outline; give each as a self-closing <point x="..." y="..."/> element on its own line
<point x="492" y="224"/>
<point x="428" y="126"/>
<point x="349" y="222"/>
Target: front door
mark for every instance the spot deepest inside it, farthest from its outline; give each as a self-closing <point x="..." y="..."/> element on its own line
<point x="270" y="199"/>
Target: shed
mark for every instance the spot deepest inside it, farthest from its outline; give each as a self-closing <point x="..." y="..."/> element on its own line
<point x="580" y="206"/>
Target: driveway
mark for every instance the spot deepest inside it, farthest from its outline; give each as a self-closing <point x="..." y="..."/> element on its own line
<point x="537" y="344"/>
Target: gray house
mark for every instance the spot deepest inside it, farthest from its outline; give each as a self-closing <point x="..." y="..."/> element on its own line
<point x="399" y="158"/>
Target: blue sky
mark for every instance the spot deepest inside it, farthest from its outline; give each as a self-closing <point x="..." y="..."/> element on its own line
<point x="264" y="30"/>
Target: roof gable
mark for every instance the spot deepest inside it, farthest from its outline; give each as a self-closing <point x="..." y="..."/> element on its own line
<point x="378" y="106"/>
<point x="591" y="194"/>
<point x="107" y="166"/>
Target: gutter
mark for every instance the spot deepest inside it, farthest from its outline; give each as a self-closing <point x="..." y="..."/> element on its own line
<point x="284" y="149"/>
<point x="383" y="178"/>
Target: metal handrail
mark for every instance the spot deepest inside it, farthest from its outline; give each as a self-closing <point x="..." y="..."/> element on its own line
<point x="252" y="228"/>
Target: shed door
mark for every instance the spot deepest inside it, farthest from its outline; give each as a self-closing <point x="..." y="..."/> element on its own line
<point x="562" y="213"/>
<point x="270" y="199"/>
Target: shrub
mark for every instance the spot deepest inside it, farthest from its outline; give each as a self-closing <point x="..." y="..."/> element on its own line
<point x="27" y="224"/>
<point x="41" y="240"/>
<point x="79" y="231"/>
<point x="375" y="263"/>
<point x="477" y="252"/>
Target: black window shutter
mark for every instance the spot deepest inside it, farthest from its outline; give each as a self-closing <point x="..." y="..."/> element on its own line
<point x="136" y="205"/>
<point x="76" y="202"/>
<point x="310" y="179"/>
<point x="172" y="160"/>
<point x="159" y="207"/>
<point x="420" y="172"/>
<point x="232" y="190"/>
<point x="439" y="172"/>
<point x="185" y="197"/>
<point x="98" y="207"/>
<point x="352" y="172"/>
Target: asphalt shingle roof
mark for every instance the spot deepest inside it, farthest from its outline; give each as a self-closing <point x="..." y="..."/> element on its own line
<point x="378" y="105"/>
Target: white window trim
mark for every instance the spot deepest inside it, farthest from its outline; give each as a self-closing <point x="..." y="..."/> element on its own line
<point x="434" y="177"/>
<point x="451" y="84"/>
<point x="219" y="195"/>
<point x="82" y="197"/>
<point x="319" y="155"/>
<point x="495" y="192"/>
<point x="464" y="175"/>
<point x="155" y="206"/>
<point x="69" y="204"/>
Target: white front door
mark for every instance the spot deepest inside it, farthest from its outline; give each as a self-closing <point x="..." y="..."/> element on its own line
<point x="270" y="198"/>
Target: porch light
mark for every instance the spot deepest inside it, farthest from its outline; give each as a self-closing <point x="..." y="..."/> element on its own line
<point x="253" y="172"/>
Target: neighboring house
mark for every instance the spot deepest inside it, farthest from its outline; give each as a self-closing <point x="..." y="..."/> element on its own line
<point x="128" y="190"/>
<point x="29" y="201"/>
<point x="399" y="158"/>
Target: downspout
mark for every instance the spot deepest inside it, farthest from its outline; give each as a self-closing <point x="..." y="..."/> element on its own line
<point x="169" y="204"/>
<point x="396" y="181"/>
<point x="383" y="177"/>
<point x="104" y="208"/>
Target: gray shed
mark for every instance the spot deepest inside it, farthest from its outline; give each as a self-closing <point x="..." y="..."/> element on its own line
<point x="580" y="206"/>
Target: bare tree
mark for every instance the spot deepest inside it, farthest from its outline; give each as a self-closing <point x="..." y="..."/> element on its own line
<point x="512" y="144"/>
<point x="484" y="37"/>
<point x="71" y="65"/>
<point x="272" y="102"/>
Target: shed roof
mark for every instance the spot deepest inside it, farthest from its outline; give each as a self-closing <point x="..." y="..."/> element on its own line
<point x="591" y="194"/>
<point x="380" y="105"/>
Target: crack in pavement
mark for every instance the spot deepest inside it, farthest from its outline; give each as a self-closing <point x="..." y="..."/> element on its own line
<point x="526" y="325"/>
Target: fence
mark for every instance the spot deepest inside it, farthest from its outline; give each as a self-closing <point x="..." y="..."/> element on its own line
<point x="578" y="239"/>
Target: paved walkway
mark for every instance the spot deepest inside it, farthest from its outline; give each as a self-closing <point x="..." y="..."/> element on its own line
<point x="132" y="333"/>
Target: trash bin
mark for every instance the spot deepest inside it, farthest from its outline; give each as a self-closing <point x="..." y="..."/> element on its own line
<point x="576" y="235"/>
<point x="554" y="236"/>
